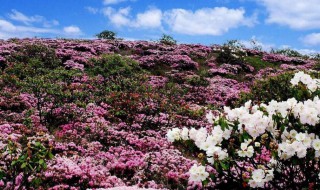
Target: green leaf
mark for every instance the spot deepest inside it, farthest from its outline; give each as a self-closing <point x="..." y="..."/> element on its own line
<point x="50" y="155"/>
<point x="24" y="165"/>
<point x="245" y="135"/>
<point x="41" y="161"/>
<point x="224" y="165"/>
<point x="2" y="174"/>
<point x="205" y="182"/>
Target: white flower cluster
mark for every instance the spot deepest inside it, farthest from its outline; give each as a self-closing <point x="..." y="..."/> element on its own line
<point x="198" y="173"/>
<point x="208" y="142"/>
<point x="260" y="177"/>
<point x="308" y="112"/>
<point x="255" y="121"/>
<point x="294" y="143"/>
<point x="312" y="84"/>
<point x="246" y="151"/>
<point x="177" y="134"/>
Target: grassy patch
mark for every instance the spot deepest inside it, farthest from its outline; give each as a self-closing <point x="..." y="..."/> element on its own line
<point x="258" y="64"/>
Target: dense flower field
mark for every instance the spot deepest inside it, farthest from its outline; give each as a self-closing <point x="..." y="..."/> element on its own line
<point x="94" y="114"/>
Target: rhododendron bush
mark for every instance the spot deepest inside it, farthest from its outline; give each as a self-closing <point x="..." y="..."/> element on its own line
<point x="99" y="114"/>
<point x="274" y="145"/>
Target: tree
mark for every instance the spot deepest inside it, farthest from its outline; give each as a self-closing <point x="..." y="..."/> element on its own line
<point x="107" y="34"/>
<point x="168" y="40"/>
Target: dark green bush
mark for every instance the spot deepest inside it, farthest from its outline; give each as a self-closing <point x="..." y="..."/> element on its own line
<point x="276" y="88"/>
<point x="232" y="53"/>
<point x="168" y="40"/>
<point x="198" y="81"/>
<point x="112" y="66"/>
<point x="40" y="52"/>
<point x="287" y="52"/>
<point x="107" y="34"/>
<point x="31" y="60"/>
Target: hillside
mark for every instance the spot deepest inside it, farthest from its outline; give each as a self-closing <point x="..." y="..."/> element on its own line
<point x="77" y="114"/>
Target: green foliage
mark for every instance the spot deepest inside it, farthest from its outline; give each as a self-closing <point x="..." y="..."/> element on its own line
<point x="112" y="66"/>
<point x="168" y="40"/>
<point x="276" y="88"/>
<point x="288" y="52"/>
<point x="32" y="60"/>
<point x="258" y="64"/>
<point x="44" y="55"/>
<point x="52" y="86"/>
<point x="107" y="34"/>
<point x="197" y="81"/>
<point x="232" y="53"/>
<point x="29" y="161"/>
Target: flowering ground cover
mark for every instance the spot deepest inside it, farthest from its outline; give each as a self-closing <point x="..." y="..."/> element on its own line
<point x="97" y="114"/>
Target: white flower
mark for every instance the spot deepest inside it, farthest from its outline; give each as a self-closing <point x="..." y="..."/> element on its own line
<point x="316" y="144"/>
<point x="294" y="81"/>
<point x="173" y="135"/>
<point x="248" y="104"/>
<point x="246" y="151"/>
<point x="250" y="151"/>
<point x="257" y="144"/>
<point x="215" y="151"/>
<point x="198" y="173"/>
<point x="273" y="162"/>
<point x="227" y="133"/>
<point x="210" y="160"/>
<point x="258" y="175"/>
<point x="185" y="134"/>
<point x="301" y="153"/>
<point x="269" y="175"/>
<point x="205" y="145"/>
<point x="193" y="133"/>
<point x="292" y="102"/>
<point x="300" y="137"/>
<point x="293" y="133"/>
<point x="312" y="86"/>
<point x="210" y="117"/>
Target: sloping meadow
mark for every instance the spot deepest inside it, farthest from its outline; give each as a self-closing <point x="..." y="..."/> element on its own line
<point x="78" y="114"/>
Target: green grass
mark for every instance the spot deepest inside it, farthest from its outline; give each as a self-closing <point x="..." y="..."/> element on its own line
<point x="258" y="64"/>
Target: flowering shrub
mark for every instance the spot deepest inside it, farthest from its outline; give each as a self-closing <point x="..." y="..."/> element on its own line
<point x="232" y="52"/>
<point x="106" y="105"/>
<point x="279" y="88"/>
<point x="22" y="160"/>
<point x="273" y="145"/>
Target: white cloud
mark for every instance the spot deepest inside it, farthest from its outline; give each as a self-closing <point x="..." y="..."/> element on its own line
<point x="151" y="18"/>
<point x="6" y="26"/>
<point x="296" y="14"/>
<point x="92" y="10"/>
<point x="256" y="43"/>
<point x="29" y="20"/>
<point x="307" y="51"/>
<point x="9" y="30"/>
<point x="312" y="39"/>
<point x="18" y="16"/>
<point x="109" y="2"/>
<point x="72" y="30"/>
<point x="207" y="21"/>
<point x="31" y="26"/>
<point x="118" y="17"/>
<point x="49" y="24"/>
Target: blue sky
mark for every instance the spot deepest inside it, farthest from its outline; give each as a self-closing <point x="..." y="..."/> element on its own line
<point x="273" y="23"/>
